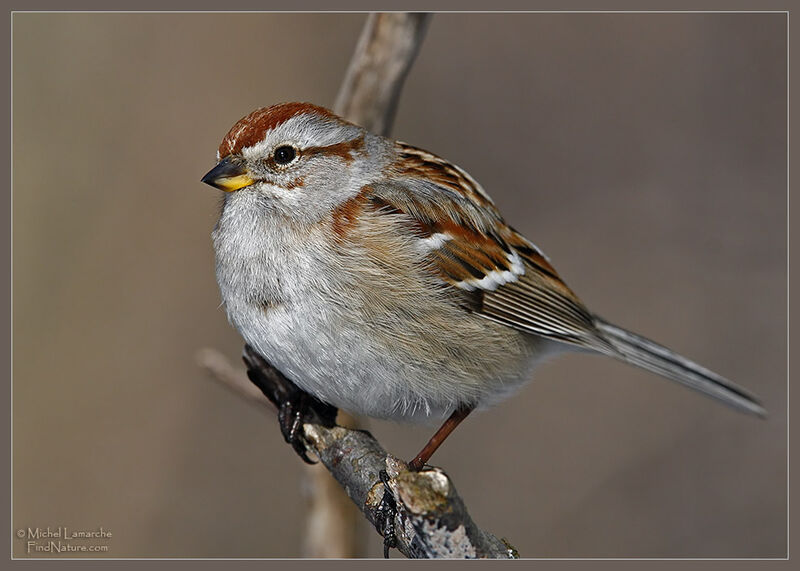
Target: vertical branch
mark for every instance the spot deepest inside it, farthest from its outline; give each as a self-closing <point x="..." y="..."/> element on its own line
<point x="385" y="51"/>
<point x="368" y="97"/>
<point x="432" y="520"/>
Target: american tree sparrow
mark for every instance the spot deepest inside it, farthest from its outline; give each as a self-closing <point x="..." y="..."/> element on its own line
<point x="382" y="279"/>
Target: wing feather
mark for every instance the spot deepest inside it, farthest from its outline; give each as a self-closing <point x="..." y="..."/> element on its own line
<point x="471" y="248"/>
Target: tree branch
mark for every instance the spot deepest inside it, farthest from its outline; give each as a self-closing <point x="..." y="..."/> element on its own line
<point x="385" y="51"/>
<point x="431" y="520"/>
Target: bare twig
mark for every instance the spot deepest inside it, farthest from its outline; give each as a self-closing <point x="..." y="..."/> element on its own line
<point x="368" y="97"/>
<point x="384" y="54"/>
<point x="431" y="520"/>
<point x="235" y="379"/>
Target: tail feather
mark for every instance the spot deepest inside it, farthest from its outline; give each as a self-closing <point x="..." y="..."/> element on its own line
<point x="642" y="352"/>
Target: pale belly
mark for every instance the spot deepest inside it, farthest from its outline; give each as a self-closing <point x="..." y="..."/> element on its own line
<point x="344" y="362"/>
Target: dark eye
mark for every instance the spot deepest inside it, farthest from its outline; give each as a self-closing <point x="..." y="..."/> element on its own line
<point x="284" y="154"/>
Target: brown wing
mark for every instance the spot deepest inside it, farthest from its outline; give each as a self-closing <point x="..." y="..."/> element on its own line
<point x="503" y="276"/>
<point x="540" y="302"/>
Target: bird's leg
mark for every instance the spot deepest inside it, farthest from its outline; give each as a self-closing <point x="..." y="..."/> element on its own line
<point x="295" y="406"/>
<point x="387" y="509"/>
<point x="436" y="440"/>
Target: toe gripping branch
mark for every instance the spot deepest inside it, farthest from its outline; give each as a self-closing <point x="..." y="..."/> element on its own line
<point x="295" y="406"/>
<point x="416" y="511"/>
<point x="385" y="515"/>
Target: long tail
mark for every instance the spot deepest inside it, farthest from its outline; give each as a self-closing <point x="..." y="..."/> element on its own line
<point x="637" y="350"/>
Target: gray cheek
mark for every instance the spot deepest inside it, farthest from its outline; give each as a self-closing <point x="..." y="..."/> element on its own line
<point x="324" y="185"/>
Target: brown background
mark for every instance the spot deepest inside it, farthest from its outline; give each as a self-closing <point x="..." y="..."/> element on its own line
<point x="644" y="153"/>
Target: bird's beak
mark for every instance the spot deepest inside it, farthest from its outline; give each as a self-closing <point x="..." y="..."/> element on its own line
<point x="229" y="175"/>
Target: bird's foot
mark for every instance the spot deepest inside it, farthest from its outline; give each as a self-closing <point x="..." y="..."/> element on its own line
<point x="386" y="513"/>
<point x="295" y="406"/>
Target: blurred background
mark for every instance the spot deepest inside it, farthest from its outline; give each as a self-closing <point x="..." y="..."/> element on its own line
<point x="644" y="153"/>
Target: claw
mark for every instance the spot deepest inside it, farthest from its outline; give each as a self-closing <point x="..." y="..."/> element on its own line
<point x="291" y="415"/>
<point x="295" y="406"/>
<point x="385" y="515"/>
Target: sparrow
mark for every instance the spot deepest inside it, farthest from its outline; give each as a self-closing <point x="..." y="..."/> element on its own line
<point x="382" y="279"/>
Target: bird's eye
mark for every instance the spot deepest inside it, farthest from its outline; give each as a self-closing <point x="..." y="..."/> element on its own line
<point x="284" y="154"/>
